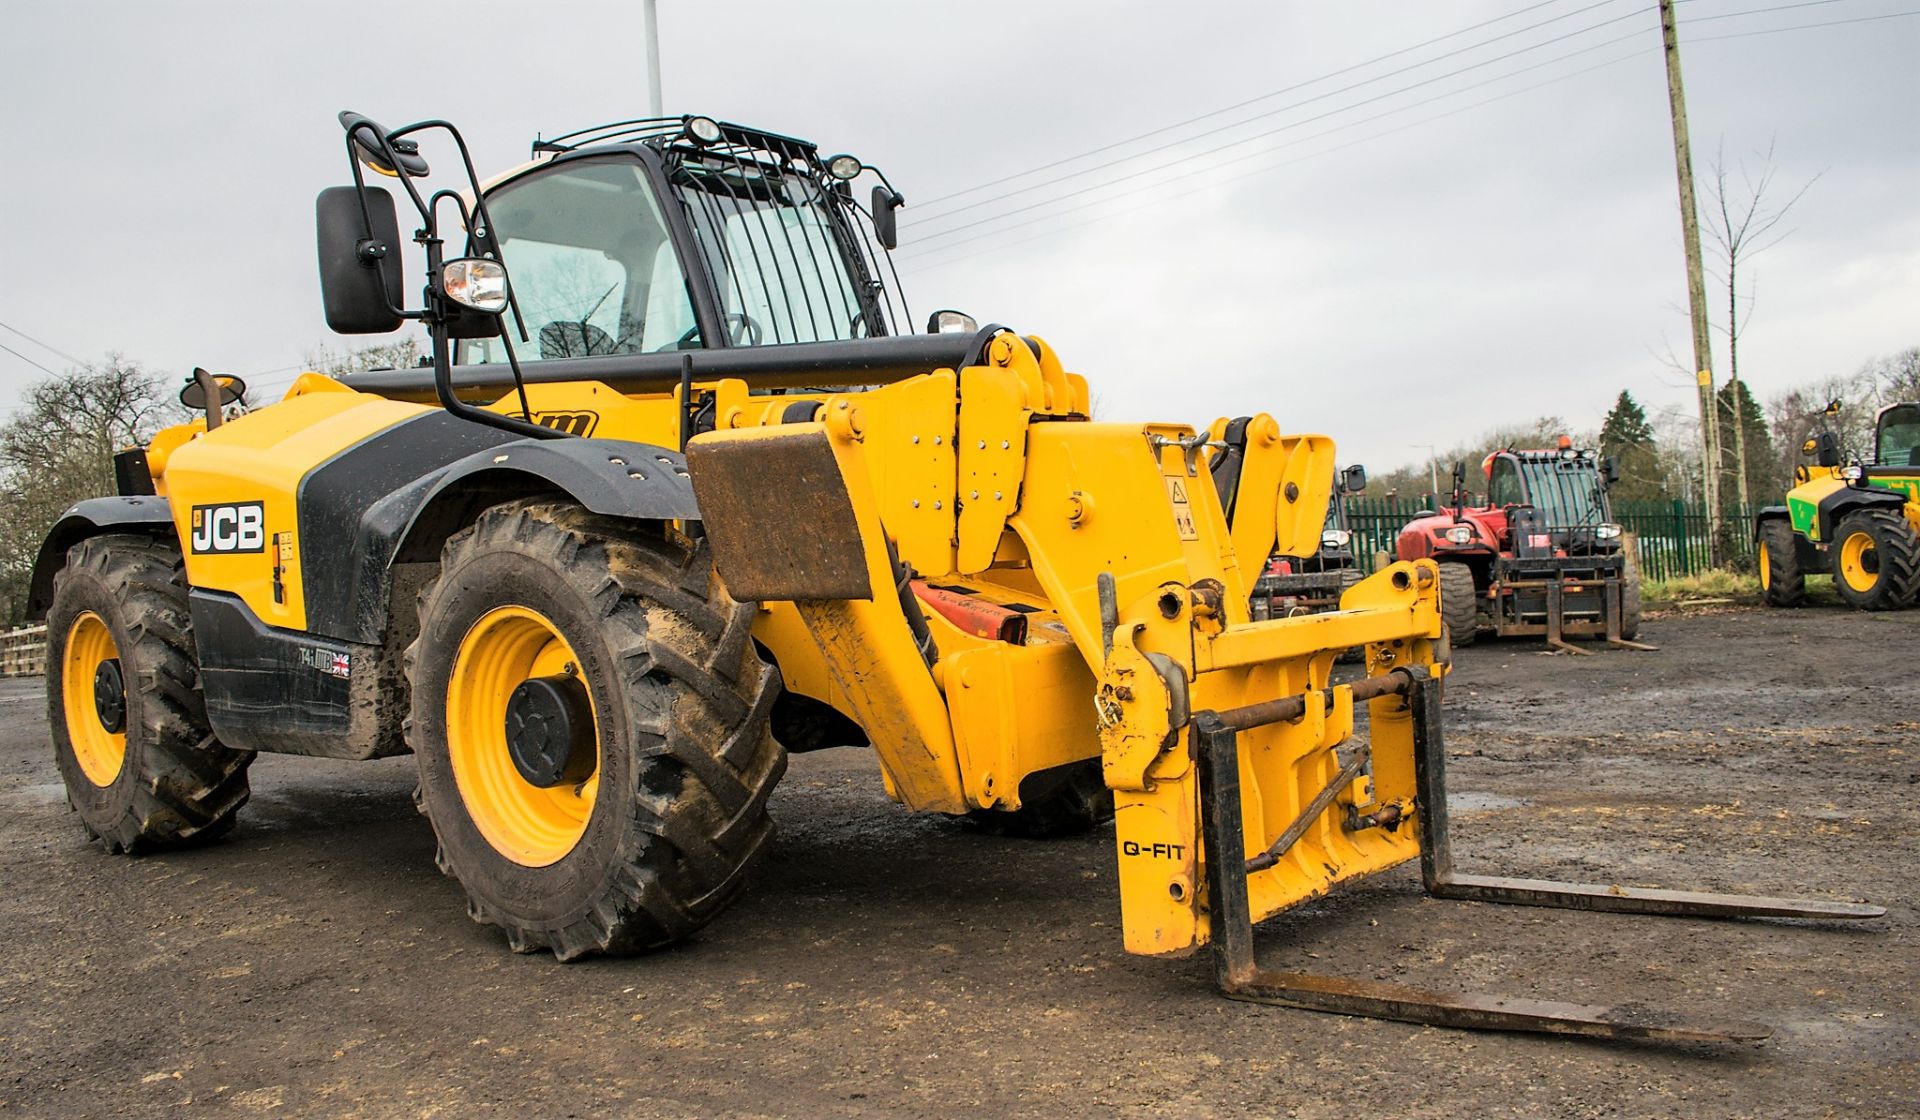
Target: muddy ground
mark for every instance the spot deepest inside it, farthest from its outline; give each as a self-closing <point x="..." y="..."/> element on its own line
<point x="890" y="965"/>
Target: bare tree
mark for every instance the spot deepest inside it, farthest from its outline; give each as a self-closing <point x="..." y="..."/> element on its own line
<point x="1743" y="222"/>
<point x="401" y="353"/>
<point x="58" y="449"/>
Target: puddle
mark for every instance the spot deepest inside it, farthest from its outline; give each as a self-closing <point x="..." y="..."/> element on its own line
<point x="1470" y="802"/>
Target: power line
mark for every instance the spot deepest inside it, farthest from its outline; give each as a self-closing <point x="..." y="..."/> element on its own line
<point x="1304" y="121"/>
<point x="1321" y="97"/>
<point x="1761" y="11"/>
<point x="43" y="346"/>
<point x="1212" y="168"/>
<point x="1150" y="203"/>
<point x="1799" y="26"/>
<point x="1322" y="116"/>
<point x="1241" y="104"/>
<point x="942" y="263"/>
<point x="24" y="358"/>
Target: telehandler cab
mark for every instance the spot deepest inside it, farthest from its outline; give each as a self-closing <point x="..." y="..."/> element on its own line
<point x="536" y="564"/>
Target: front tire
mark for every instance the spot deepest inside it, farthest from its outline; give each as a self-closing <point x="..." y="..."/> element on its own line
<point x="1459" y="603"/>
<point x="644" y="831"/>
<point x="130" y="735"/>
<point x="1782" y="583"/>
<point x="1876" y="560"/>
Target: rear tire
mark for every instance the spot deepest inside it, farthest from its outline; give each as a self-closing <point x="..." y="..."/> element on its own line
<point x="1064" y="801"/>
<point x="1782" y="583"/>
<point x="656" y="838"/>
<point x="130" y="733"/>
<point x="1630" y="604"/>
<point x="1876" y="560"/>
<point x="1459" y="603"/>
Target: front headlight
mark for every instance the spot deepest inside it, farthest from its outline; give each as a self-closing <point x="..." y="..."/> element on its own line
<point x="1853" y="472"/>
<point x="1460" y="534"/>
<point x="1335" y="538"/>
<point x="476" y="282"/>
<point x="1607" y="532"/>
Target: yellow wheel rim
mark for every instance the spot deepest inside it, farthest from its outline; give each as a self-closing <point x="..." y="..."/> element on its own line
<point x="101" y="752"/>
<point x="531" y="826"/>
<point x="1766" y="567"/>
<point x="1859" y="564"/>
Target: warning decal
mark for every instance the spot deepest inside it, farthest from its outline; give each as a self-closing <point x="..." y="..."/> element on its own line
<point x="1182" y="510"/>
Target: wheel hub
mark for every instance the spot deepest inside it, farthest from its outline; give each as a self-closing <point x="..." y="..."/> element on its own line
<point x="550" y="734"/>
<point x="110" y="696"/>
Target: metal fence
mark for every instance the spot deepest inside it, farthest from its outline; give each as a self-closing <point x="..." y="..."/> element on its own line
<point x="23" y="652"/>
<point x="1673" y="538"/>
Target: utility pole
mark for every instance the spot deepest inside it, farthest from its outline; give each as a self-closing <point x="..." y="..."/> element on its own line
<point x="1433" y="465"/>
<point x="1696" y="285"/>
<point x="653" y="58"/>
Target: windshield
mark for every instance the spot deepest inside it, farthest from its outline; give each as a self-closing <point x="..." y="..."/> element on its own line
<point x="1899" y="436"/>
<point x="778" y="259"/>
<point x="1565" y="491"/>
<point x="594" y="271"/>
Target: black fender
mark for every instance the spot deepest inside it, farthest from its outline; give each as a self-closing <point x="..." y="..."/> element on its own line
<point x="396" y="497"/>
<point x="410" y="524"/>
<point x="1806" y="553"/>
<point x="1846" y="500"/>
<point x="142" y="513"/>
<point x="1769" y="513"/>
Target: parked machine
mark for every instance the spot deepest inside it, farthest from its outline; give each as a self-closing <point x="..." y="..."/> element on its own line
<point x="1313" y="583"/>
<point x="1541" y="558"/>
<point x="685" y="495"/>
<point x="1858" y="519"/>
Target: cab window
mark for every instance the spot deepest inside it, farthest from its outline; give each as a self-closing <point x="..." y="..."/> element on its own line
<point x="591" y="266"/>
<point x="1504" y="489"/>
<point x="1899" y="436"/>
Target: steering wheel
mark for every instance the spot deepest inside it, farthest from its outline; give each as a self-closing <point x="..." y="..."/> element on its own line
<point x="746" y="326"/>
<point x="747" y="329"/>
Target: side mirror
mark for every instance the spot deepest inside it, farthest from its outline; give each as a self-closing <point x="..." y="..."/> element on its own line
<point x="886" y="226"/>
<point x="1354" y="479"/>
<point x="1827" y="450"/>
<point x="1610" y="469"/>
<point x="359" y="259"/>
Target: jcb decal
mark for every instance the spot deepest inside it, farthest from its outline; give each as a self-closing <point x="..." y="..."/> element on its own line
<point x="230" y="527"/>
<point x="581" y="423"/>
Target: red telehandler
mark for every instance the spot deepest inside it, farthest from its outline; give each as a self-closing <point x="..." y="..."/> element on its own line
<point x="1542" y="558"/>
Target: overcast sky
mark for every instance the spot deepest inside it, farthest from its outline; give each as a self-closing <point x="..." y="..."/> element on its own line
<point x="1479" y="252"/>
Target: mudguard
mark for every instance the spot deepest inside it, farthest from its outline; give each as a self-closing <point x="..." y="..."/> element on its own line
<point x="138" y="514"/>
<point x="1847" y="499"/>
<point x="410" y="523"/>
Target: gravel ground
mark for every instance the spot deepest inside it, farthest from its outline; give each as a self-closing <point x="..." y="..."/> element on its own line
<point x="884" y="964"/>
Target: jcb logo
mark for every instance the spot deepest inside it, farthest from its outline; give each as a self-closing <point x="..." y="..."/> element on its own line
<point x="572" y="423"/>
<point x="234" y="527"/>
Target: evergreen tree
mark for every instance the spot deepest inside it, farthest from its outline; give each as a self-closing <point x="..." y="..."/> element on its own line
<point x="1765" y="482"/>
<point x="1628" y="438"/>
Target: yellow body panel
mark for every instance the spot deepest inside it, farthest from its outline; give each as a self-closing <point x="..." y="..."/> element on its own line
<point x="1062" y="505"/>
<point x="261" y="458"/>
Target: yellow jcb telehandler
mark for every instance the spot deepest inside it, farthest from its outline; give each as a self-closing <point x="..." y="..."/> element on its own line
<point x="689" y="493"/>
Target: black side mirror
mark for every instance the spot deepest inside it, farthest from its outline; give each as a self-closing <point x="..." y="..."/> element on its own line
<point x="1827" y="450"/>
<point x="1610" y="469"/>
<point x="886" y="226"/>
<point x="359" y="259"/>
<point x="1354" y="479"/>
